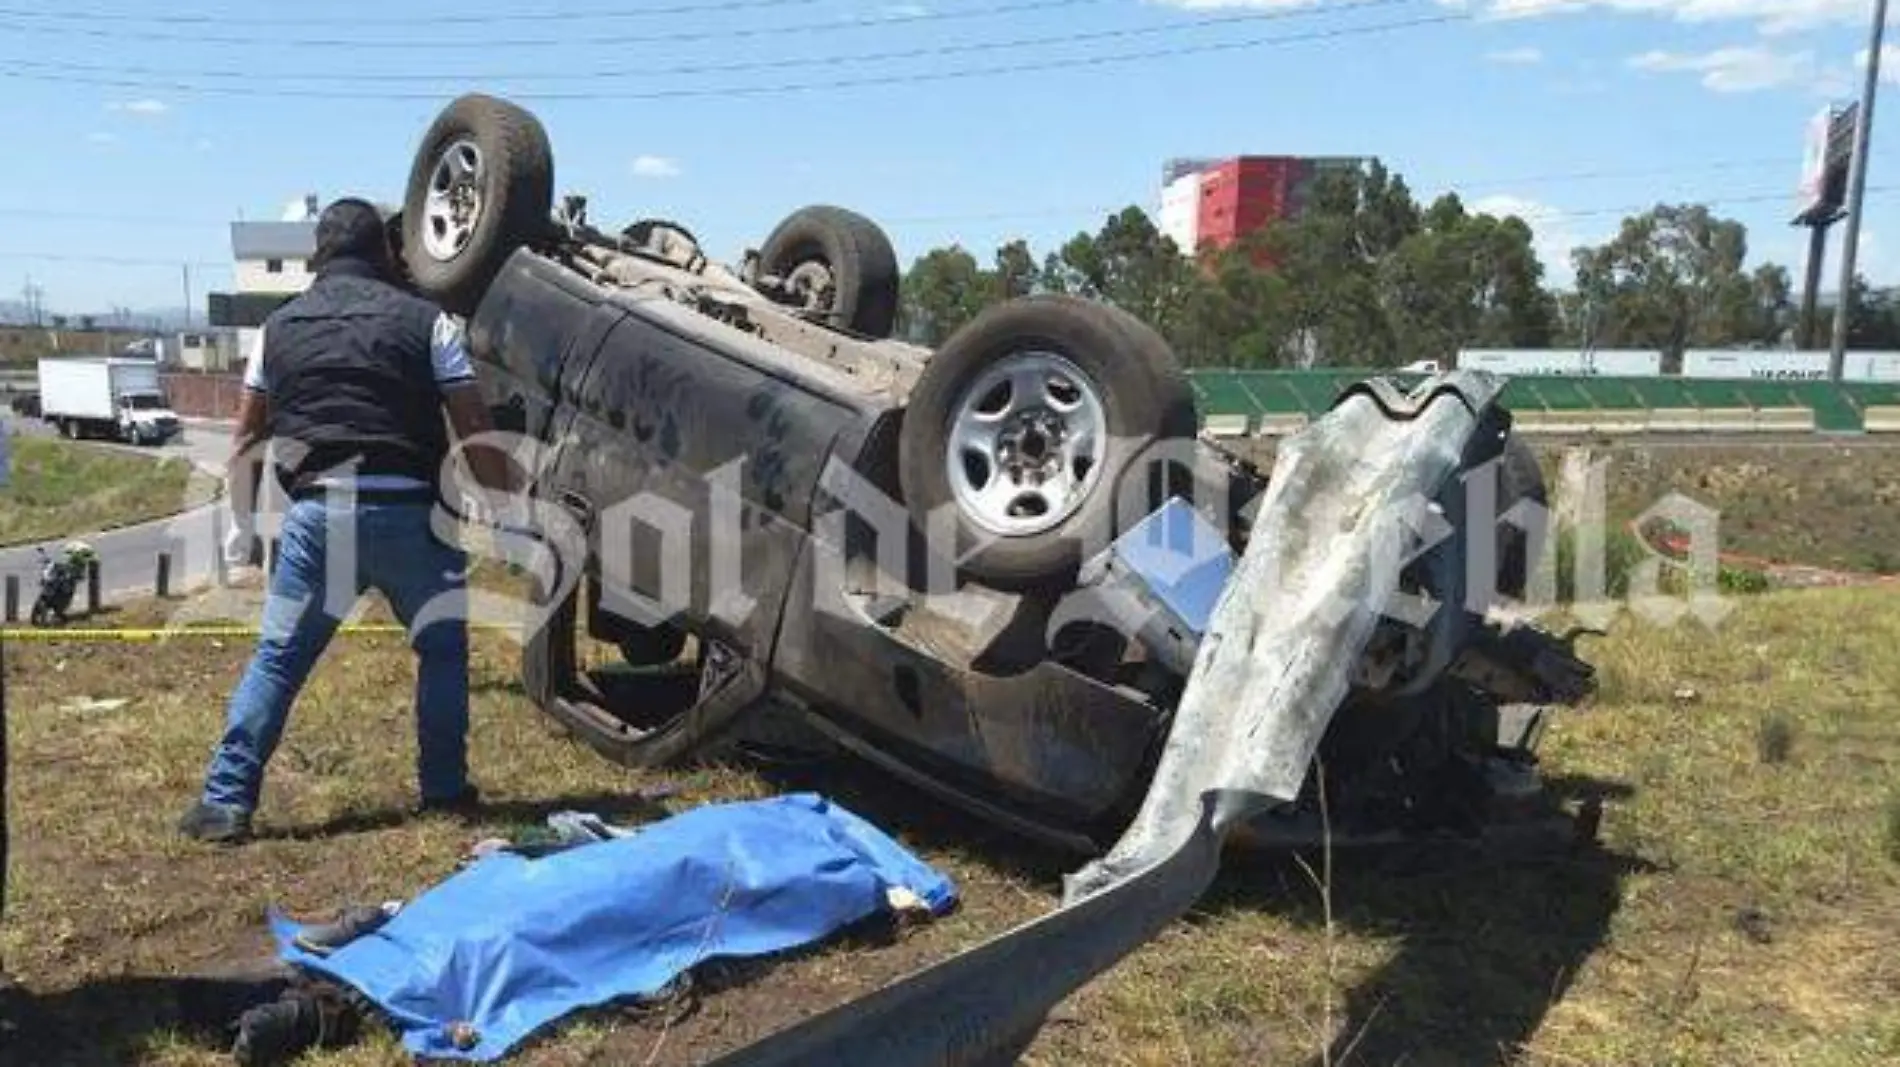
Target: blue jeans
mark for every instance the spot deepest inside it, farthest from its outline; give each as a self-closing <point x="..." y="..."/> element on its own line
<point x="315" y="584"/>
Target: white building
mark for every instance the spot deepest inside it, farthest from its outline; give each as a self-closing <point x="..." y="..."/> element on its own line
<point x="271" y="263"/>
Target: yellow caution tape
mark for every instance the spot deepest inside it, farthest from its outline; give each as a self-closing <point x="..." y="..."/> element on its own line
<point x="131" y="636"/>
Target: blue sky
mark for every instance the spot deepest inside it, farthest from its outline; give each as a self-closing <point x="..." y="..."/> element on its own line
<point x="136" y="132"/>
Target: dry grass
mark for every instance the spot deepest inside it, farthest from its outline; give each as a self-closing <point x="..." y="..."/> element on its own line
<point x="1740" y="912"/>
<point x="60" y="487"/>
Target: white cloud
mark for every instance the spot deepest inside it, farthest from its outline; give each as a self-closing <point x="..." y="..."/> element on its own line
<point x="1212" y="5"/>
<point x="1517" y="57"/>
<point x="904" y="11"/>
<point x="1737" y="70"/>
<point x="1770" y="16"/>
<point x="655" y="167"/>
<point x="1552" y="235"/>
<point x="147" y="106"/>
<point x="1889" y="63"/>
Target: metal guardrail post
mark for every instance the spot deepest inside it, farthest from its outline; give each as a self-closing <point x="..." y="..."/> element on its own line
<point x="162" y="583"/>
<point x="92" y="587"/>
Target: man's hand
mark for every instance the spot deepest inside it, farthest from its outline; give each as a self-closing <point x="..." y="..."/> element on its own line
<point x="468" y="417"/>
<point x="239" y="540"/>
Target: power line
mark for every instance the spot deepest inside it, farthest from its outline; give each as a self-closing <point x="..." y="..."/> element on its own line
<point x="174" y="221"/>
<point x="1647" y="172"/>
<point x="370" y="42"/>
<point x="743" y="66"/>
<point x="112" y="261"/>
<point x="187" y="19"/>
<point x="775" y="89"/>
<point x="568" y="73"/>
<point x="997" y="216"/>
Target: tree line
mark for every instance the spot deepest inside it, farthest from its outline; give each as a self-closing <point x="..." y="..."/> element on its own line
<point x="1367" y="277"/>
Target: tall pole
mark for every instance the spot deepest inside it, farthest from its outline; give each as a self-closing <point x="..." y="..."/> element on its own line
<point x="1817" y="255"/>
<point x="1857" y="192"/>
<point x="186" y="267"/>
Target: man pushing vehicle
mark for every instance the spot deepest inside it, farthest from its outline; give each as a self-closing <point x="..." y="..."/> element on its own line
<point x="348" y="383"/>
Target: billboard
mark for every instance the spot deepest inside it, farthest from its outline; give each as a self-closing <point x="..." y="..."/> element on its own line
<point x="1824" y="164"/>
<point x="1611" y="362"/>
<point x="1803" y="366"/>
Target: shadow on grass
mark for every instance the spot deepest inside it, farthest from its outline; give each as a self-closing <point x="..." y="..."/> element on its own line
<point x="108" y="1021"/>
<point x="1490" y="935"/>
<point x="614" y="807"/>
<point x="1488" y="942"/>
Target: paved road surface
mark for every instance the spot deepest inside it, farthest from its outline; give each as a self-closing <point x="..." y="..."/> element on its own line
<point x="128" y="558"/>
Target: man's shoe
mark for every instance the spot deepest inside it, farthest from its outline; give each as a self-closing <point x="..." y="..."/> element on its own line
<point x="215" y="824"/>
<point x="350" y="924"/>
<point x="465" y="804"/>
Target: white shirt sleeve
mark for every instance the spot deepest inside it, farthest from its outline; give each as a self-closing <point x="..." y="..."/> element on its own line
<point x="254" y="364"/>
<point x="449" y="353"/>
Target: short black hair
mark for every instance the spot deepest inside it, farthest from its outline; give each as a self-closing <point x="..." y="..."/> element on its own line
<point x="352" y="228"/>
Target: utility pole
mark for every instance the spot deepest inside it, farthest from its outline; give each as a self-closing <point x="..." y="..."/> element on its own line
<point x="33" y="295"/>
<point x="186" y="267"/>
<point x="1857" y="193"/>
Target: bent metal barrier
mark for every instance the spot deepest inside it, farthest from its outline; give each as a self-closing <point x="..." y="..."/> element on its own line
<point x="1281" y="648"/>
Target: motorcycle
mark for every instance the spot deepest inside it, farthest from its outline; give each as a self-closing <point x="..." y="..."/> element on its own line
<point x="59" y="581"/>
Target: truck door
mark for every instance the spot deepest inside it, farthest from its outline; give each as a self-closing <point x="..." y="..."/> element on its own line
<point x="533" y="335"/>
<point x="694" y="455"/>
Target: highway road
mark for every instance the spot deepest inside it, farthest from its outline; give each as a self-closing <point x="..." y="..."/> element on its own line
<point x="128" y="558"/>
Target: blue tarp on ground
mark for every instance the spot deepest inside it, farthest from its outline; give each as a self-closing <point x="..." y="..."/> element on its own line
<point x="511" y="944"/>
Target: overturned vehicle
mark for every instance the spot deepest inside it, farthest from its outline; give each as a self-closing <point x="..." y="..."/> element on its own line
<point x="990" y="569"/>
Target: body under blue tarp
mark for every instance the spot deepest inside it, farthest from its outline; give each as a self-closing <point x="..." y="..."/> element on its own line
<point x="511" y="944"/>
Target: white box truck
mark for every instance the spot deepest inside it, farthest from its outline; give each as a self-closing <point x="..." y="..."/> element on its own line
<point x="109" y="397"/>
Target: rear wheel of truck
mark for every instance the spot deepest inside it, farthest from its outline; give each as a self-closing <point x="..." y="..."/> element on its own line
<point x="1038" y="423"/>
<point x="481" y="187"/>
<point x="838" y="265"/>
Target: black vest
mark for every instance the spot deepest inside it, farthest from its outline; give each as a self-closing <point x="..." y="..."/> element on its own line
<point x="351" y="383"/>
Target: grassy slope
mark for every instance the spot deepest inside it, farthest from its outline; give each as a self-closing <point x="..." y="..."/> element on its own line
<point x="1739" y="912"/>
<point x="1832" y="504"/>
<point x="60" y="488"/>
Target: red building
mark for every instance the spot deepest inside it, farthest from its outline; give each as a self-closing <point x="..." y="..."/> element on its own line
<point x="1207" y="205"/>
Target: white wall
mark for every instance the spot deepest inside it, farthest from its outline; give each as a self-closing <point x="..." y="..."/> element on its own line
<point x="1791" y="366"/>
<point x="1611" y="362"/>
<point x="1181" y="212"/>
<point x="254" y="277"/>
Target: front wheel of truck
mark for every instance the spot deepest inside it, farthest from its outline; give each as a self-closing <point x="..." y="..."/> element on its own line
<point x="1044" y="428"/>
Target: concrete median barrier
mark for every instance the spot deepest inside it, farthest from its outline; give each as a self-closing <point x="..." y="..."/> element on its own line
<point x="1280" y="425"/>
<point x="1675" y="420"/>
<point x="1787" y="420"/>
<point x="1883" y="418"/>
<point x="1225" y="426"/>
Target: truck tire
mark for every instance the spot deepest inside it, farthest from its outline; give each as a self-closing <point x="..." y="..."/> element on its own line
<point x="1032" y="421"/>
<point x="480" y="187"/>
<point x="841" y="265"/>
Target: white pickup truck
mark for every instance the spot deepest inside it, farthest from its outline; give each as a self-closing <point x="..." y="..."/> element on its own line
<point x="113" y="397"/>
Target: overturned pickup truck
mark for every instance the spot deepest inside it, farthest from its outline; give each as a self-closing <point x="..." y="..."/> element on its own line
<point x="1008" y="571"/>
<point x="989" y="569"/>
